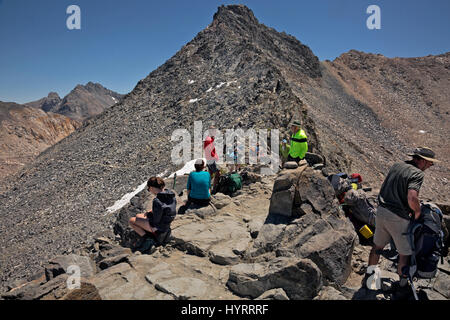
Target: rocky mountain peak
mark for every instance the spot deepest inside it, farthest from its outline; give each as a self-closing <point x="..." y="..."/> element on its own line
<point x="235" y="14"/>
<point x="53" y="95"/>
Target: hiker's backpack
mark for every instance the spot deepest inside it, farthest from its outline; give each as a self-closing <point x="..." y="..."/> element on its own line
<point x="427" y="241"/>
<point x="361" y="207"/>
<point x="229" y="183"/>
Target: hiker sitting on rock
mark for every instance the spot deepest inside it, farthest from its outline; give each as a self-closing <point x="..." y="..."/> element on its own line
<point x="154" y="225"/>
<point x="299" y="143"/>
<point x="198" y="187"/>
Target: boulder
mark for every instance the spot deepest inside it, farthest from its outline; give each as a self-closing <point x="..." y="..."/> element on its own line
<point x="87" y="291"/>
<point x="315" y="189"/>
<point x="54" y="289"/>
<point x="299" y="278"/>
<point x="282" y="202"/>
<point x="249" y="177"/>
<point x="284" y="192"/>
<point x="60" y="264"/>
<point x="222" y="239"/>
<point x="274" y="294"/>
<point x="332" y="253"/>
<point x="202" y="212"/>
<point x="442" y="284"/>
<point x="291" y="165"/>
<point x="220" y="200"/>
<point x="111" y="251"/>
<point x="183" y="288"/>
<point x="111" y="261"/>
<point x="313" y="159"/>
<point x="254" y="226"/>
<point x="316" y="230"/>
<point x="122" y="282"/>
<point x="330" y="293"/>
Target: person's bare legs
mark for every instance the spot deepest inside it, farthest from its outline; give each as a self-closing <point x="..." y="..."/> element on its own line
<point x="140" y="225"/>
<point x="374" y="256"/>
<point x="402" y="261"/>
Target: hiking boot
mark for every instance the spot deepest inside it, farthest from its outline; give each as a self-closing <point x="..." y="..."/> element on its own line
<point x="138" y="243"/>
<point x="401" y="292"/>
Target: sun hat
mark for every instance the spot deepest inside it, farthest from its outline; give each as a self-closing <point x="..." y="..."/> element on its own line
<point x="296" y="123"/>
<point x="199" y="162"/>
<point x="424" y="153"/>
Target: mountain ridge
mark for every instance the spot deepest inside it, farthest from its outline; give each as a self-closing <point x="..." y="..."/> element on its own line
<point x="235" y="73"/>
<point x="82" y="102"/>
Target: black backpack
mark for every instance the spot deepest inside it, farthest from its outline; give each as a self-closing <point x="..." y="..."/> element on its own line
<point x="427" y="241"/>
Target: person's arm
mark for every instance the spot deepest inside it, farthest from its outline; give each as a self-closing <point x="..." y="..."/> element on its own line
<point x="188" y="187"/>
<point x="156" y="214"/>
<point x="209" y="184"/>
<point x="413" y="202"/>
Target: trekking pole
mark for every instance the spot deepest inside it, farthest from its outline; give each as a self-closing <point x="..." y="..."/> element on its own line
<point x="412" y="267"/>
<point x="407" y="270"/>
<point x="174" y="180"/>
<point x="413" y="288"/>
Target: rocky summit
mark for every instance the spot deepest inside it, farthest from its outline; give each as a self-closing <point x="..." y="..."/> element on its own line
<point x="235" y="73"/>
<point x="83" y="102"/>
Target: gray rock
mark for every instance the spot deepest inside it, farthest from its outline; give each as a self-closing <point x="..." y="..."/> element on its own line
<point x="202" y="212"/>
<point x="254" y="226"/>
<point x="274" y="294"/>
<point x="60" y="264"/>
<point x="269" y="237"/>
<point x="299" y="278"/>
<point x="113" y="251"/>
<point x="54" y="289"/>
<point x="313" y="158"/>
<point x="330" y="293"/>
<point x="291" y="165"/>
<point x="332" y="253"/>
<point x="442" y="284"/>
<point x="321" y="234"/>
<point x="223" y="239"/>
<point x="111" y="261"/>
<point x="122" y="282"/>
<point x="315" y="189"/>
<point x="282" y="202"/>
<point x="220" y="200"/>
<point x="183" y="288"/>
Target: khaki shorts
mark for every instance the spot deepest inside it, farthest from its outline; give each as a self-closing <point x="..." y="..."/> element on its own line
<point x="389" y="226"/>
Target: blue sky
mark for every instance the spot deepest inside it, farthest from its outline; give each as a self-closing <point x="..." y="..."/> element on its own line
<point x="121" y="42"/>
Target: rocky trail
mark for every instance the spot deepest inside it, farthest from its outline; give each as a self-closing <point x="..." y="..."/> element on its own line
<point x="241" y="247"/>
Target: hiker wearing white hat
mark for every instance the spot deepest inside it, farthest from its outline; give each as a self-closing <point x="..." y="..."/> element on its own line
<point x="398" y="205"/>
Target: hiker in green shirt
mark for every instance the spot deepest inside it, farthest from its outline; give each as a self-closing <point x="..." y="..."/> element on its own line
<point x="398" y="205"/>
<point x="284" y="151"/>
<point x="299" y="144"/>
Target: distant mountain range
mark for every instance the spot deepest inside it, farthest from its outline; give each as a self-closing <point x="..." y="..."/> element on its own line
<point x="27" y="130"/>
<point x="83" y="102"/>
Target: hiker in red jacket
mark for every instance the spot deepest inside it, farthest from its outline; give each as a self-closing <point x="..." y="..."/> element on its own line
<point x="212" y="157"/>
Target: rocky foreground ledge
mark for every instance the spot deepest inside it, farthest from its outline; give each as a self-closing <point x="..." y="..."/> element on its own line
<point x="278" y="238"/>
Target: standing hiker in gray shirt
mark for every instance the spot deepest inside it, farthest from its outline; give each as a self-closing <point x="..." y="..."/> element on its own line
<point x="398" y="205"/>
